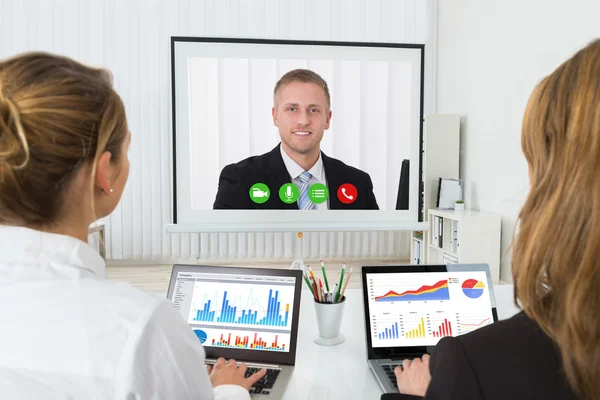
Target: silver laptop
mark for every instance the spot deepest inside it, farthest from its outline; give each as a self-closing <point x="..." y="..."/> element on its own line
<point x="249" y="314"/>
<point x="409" y="308"/>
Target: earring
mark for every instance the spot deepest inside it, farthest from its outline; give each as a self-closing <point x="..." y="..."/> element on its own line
<point x="102" y="190"/>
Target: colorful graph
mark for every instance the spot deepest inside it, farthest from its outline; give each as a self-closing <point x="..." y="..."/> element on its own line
<point x="468" y="323"/>
<point x="472" y="288"/>
<point x="201" y="335"/>
<point x="438" y="291"/>
<point x="228" y="314"/>
<point x="418" y="332"/>
<point x="244" y="342"/>
<point x="444" y="329"/>
<point x="390" y="333"/>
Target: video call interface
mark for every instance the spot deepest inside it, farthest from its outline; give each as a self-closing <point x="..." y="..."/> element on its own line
<point x="248" y="312"/>
<point x="418" y="309"/>
<point x="373" y="129"/>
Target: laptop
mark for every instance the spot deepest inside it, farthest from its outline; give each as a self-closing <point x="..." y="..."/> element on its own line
<point x="409" y="308"/>
<point x="248" y="314"/>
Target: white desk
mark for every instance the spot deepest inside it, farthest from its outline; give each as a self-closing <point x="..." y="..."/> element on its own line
<point x="341" y="372"/>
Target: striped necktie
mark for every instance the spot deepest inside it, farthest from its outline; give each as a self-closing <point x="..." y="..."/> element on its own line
<point x="304" y="202"/>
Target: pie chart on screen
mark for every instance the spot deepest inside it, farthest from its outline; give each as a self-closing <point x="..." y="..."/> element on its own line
<point x="201" y="335"/>
<point x="473" y="288"/>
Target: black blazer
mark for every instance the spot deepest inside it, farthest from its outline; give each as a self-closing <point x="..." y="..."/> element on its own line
<point x="236" y="179"/>
<point x="511" y="359"/>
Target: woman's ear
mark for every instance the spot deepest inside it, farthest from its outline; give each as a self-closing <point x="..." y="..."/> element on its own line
<point x="103" y="173"/>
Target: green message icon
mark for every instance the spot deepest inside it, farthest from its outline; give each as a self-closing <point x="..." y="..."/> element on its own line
<point x="318" y="193"/>
<point x="289" y="193"/>
<point x="259" y="193"/>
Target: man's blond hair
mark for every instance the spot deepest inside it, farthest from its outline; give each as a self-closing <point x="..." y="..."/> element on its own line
<point x="302" y="75"/>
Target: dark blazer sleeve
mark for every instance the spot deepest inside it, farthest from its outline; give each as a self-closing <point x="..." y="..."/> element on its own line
<point x="371" y="202"/>
<point x="452" y="375"/>
<point x="232" y="192"/>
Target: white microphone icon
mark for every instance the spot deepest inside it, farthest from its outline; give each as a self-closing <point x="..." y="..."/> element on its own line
<point x="288" y="193"/>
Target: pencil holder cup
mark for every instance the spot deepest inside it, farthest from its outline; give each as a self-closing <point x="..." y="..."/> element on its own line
<point x="329" y="321"/>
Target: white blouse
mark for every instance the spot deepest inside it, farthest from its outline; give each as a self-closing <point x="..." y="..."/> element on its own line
<point x="66" y="332"/>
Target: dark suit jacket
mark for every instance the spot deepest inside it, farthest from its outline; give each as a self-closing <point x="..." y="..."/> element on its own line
<point x="236" y="179"/>
<point x="511" y="359"/>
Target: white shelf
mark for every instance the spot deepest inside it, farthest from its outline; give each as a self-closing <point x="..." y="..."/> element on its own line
<point x="467" y="237"/>
<point x="449" y="252"/>
<point x="441" y="156"/>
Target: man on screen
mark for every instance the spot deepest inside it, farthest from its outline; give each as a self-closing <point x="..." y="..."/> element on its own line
<point x="302" y="113"/>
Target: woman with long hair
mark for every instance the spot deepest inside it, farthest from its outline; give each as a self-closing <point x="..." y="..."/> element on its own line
<point x="551" y="350"/>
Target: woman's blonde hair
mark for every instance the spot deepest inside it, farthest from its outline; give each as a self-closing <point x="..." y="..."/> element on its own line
<point x="556" y="257"/>
<point x="55" y="115"/>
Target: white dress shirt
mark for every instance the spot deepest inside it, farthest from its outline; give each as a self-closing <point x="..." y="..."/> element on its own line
<point x="317" y="171"/>
<point x="66" y="332"/>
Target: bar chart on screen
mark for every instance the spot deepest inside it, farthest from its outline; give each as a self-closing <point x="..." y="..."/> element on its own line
<point x="243" y="339"/>
<point x="415" y="327"/>
<point x="387" y="326"/>
<point x="242" y="305"/>
<point x="440" y="327"/>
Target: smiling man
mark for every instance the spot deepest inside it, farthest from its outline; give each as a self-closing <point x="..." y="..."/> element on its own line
<point x="301" y="111"/>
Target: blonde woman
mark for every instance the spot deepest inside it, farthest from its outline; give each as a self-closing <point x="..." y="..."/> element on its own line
<point x="551" y="350"/>
<point x="66" y="332"/>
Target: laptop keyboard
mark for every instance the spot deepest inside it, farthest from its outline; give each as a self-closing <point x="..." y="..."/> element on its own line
<point x="389" y="371"/>
<point x="265" y="384"/>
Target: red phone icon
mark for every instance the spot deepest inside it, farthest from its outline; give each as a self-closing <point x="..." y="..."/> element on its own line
<point x="347" y="193"/>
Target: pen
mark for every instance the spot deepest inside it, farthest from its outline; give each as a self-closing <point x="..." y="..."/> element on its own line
<point x="345" y="284"/>
<point x="341" y="280"/>
<point x="324" y="275"/>
<point x="334" y="294"/>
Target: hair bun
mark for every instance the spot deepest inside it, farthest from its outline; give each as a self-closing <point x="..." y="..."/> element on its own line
<point x="14" y="149"/>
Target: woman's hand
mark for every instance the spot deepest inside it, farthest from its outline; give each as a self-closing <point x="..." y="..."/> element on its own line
<point x="229" y="373"/>
<point x="413" y="377"/>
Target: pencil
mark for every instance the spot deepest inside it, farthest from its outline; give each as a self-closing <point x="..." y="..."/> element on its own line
<point x="314" y="281"/>
<point x="324" y="275"/>
<point x="321" y="291"/>
<point x="308" y="284"/>
<point x="345" y="284"/>
<point x="340" y="284"/>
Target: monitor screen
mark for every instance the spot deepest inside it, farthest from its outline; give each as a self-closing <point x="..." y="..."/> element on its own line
<point x="249" y="312"/>
<point x="347" y="114"/>
<point x="418" y="309"/>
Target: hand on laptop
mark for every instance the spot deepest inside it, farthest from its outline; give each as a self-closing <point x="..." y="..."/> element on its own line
<point x="229" y="373"/>
<point x="413" y="377"/>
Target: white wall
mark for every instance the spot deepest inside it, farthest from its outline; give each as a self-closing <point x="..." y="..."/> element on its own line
<point x="132" y="39"/>
<point x="490" y="56"/>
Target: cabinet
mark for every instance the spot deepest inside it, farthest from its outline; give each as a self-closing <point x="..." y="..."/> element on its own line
<point x="464" y="237"/>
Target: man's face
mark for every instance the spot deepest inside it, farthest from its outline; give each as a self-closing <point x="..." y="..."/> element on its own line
<point x="302" y="115"/>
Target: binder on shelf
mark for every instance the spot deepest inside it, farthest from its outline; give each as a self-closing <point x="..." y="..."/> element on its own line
<point x="454" y="245"/>
<point x="441" y="233"/>
<point x="436" y="229"/>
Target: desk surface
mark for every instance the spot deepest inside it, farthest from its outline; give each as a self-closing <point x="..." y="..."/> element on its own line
<point x="341" y="372"/>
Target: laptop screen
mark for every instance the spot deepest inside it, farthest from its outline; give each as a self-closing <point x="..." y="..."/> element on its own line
<point x="238" y="308"/>
<point x="419" y="308"/>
